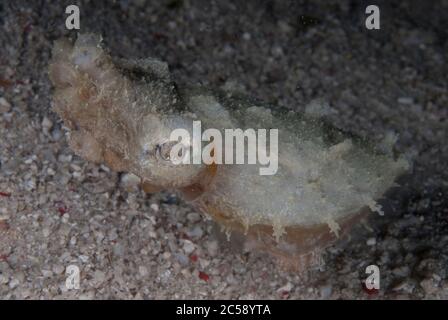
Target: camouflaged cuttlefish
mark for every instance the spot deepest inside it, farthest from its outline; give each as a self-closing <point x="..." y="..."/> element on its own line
<point x="122" y="112"/>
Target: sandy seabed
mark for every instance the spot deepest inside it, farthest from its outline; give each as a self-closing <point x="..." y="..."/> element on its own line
<point x="58" y="210"/>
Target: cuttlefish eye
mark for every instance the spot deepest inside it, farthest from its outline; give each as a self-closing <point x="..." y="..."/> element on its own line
<point x="163" y="151"/>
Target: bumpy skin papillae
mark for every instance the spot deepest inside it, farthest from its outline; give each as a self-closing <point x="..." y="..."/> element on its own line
<point x="120" y="115"/>
<point x="116" y="119"/>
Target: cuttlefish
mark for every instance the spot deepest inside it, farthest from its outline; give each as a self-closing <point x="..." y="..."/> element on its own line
<point x="122" y="112"/>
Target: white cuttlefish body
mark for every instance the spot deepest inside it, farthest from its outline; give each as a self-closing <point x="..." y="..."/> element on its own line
<point x="122" y="113"/>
